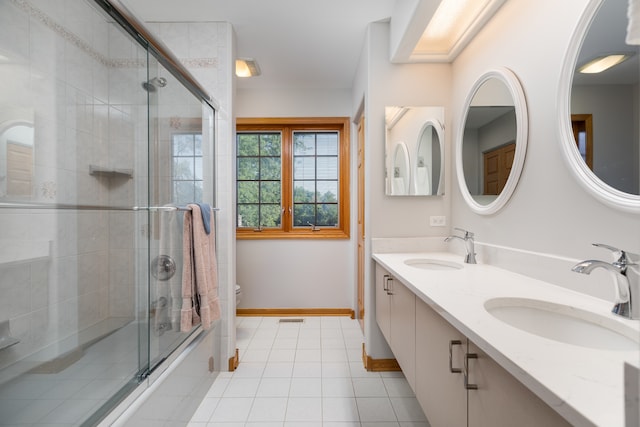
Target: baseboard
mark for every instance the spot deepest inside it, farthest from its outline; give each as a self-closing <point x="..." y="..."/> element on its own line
<point x="287" y="312"/>
<point x="234" y="361"/>
<point x="378" y="365"/>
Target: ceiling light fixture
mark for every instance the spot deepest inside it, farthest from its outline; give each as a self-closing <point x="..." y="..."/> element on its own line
<point x="602" y="63"/>
<point x="247" y="67"/>
<point x="449" y="23"/>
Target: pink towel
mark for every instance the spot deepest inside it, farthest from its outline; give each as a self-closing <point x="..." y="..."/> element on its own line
<point x="200" y="303"/>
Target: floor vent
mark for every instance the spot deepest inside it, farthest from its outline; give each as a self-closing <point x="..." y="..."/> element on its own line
<point x="291" y="320"/>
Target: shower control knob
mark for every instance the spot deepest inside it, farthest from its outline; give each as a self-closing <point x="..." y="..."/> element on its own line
<point x="163" y="267"/>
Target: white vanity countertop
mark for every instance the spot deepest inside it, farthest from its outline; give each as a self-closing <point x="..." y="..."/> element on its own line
<point x="585" y="385"/>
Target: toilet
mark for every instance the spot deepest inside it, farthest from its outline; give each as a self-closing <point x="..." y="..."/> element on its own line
<point x="238" y="294"/>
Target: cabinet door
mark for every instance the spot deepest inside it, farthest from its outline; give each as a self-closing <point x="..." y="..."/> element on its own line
<point x="501" y="400"/>
<point x="403" y="329"/>
<point x="440" y="392"/>
<point x="383" y="314"/>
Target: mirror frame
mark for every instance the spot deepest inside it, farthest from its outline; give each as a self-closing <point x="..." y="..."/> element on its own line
<point x="439" y="128"/>
<point x="509" y="79"/>
<point x="586" y="178"/>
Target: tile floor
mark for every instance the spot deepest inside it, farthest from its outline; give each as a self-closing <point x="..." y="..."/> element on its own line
<point x="306" y="375"/>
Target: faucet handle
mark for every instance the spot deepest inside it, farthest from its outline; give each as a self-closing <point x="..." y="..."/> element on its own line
<point x="623" y="258"/>
<point x="467" y="234"/>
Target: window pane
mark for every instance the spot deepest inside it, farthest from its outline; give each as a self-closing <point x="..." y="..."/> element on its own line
<point x="248" y="216"/>
<point x="327" y="167"/>
<point x="248" y="144"/>
<point x="248" y="168"/>
<point x="270" y="192"/>
<point x="183" y="192"/>
<point x="304" y="192"/>
<point x="304" y="168"/>
<point x="270" y="144"/>
<point x="197" y="145"/>
<point x="270" y="168"/>
<point x="303" y="215"/>
<point x="197" y="191"/>
<point x="183" y="168"/>
<point x="304" y="144"/>
<point x="198" y="168"/>
<point x="327" y="144"/>
<point x="327" y="191"/>
<point x="248" y="192"/>
<point x="327" y="215"/>
<point x="270" y="215"/>
<point x="182" y="145"/>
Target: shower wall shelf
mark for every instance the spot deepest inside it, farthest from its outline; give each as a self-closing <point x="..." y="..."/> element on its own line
<point x="95" y="170"/>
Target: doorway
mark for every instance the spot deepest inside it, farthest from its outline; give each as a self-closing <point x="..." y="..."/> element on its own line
<point x="582" y="125"/>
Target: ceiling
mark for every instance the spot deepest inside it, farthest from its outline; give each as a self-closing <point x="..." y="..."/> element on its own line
<point x="297" y="43"/>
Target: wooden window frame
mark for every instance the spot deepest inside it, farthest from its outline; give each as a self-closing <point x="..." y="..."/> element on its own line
<point x="287" y="126"/>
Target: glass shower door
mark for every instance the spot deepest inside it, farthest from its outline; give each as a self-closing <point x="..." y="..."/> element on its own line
<point x="181" y="144"/>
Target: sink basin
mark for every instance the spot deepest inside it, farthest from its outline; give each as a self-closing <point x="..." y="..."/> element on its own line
<point x="433" y="264"/>
<point x="564" y="323"/>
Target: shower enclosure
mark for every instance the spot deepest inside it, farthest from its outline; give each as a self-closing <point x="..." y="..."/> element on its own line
<point x="104" y="139"/>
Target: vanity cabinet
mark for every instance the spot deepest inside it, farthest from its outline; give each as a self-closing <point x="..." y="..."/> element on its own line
<point x="501" y="400"/>
<point x="440" y="350"/>
<point x="491" y="397"/>
<point x="383" y="302"/>
<point x="396" y="316"/>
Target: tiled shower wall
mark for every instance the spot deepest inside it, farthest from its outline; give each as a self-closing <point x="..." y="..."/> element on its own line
<point x="75" y="71"/>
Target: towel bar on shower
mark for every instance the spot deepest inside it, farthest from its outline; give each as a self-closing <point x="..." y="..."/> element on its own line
<point x="165" y="208"/>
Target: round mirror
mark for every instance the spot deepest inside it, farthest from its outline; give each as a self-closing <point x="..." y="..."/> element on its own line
<point x="599" y="123"/>
<point x="492" y="141"/>
<point x="427" y="171"/>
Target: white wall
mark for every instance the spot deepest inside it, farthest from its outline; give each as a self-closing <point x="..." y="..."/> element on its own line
<point x="381" y="83"/>
<point x="549" y="213"/>
<point x="615" y="138"/>
<point x="296" y="273"/>
<point x="550" y="218"/>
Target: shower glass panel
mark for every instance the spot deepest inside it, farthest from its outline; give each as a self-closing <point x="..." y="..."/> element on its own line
<point x="181" y="143"/>
<point x="97" y="139"/>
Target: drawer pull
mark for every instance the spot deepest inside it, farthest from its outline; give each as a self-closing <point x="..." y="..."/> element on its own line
<point x="453" y="343"/>
<point x="468" y="386"/>
<point x="386" y="282"/>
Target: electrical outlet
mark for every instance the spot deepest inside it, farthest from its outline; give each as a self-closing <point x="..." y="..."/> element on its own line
<point x="437" y="221"/>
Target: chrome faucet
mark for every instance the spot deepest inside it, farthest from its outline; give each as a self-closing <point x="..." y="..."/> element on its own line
<point x="627" y="281"/>
<point x="470" y="258"/>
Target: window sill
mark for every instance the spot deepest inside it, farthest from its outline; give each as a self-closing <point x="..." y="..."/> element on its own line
<point x="291" y="235"/>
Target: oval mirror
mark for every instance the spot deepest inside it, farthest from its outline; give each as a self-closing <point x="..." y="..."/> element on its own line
<point x="599" y="123"/>
<point x="492" y="141"/>
<point x="401" y="170"/>
<point x="421" y="131"/>
<point x="428" y="171"/>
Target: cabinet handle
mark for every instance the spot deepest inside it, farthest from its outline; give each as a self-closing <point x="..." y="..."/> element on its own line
<point x="385" y="286"/>
<point x="389" y="279"/>
<point x="453" y="343"/>
<point x="468" y="386"/>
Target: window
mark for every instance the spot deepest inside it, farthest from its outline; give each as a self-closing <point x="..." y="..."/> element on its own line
<point x="292" y="178"/>
<point x="187" y="176"/>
